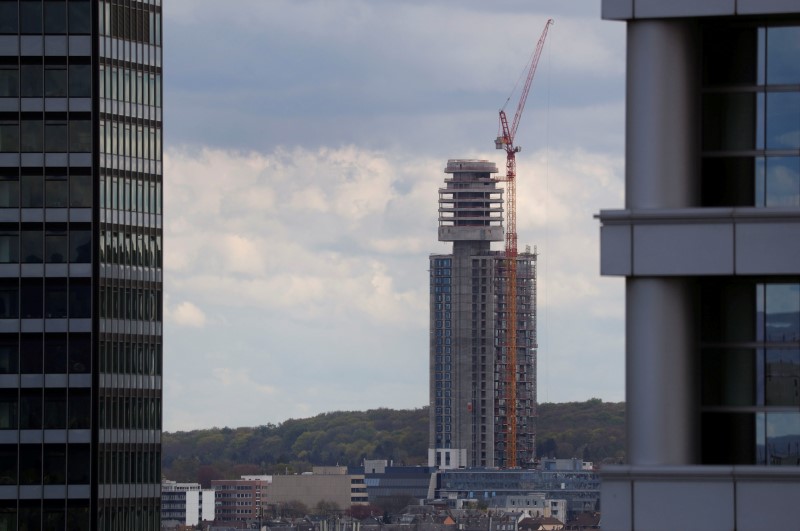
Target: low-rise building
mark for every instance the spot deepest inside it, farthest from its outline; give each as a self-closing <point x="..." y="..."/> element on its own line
<point x="185" y="504"/>
<point x="241" y="500"/>
<point x="324" y="484"/>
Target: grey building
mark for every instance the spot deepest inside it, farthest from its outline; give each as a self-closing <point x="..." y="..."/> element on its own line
<point x="468" y="358"/>
<point x="80" y="264"/>
<point x="707" y="243"/>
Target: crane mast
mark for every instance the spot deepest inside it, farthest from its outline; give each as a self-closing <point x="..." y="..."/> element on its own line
<point x="505" y="141"/>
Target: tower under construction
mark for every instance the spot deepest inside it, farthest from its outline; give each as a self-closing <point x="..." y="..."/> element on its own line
<point x="470" y="383"/>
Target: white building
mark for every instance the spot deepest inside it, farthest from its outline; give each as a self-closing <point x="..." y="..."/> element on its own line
<point x="185" y="504"/>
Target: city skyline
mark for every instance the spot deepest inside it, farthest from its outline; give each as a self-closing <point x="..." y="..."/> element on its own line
<point x="303" y="151"/>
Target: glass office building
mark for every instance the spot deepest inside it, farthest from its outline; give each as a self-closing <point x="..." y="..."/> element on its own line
<point x="707" y="243"/>
<point x="80" y="264"/>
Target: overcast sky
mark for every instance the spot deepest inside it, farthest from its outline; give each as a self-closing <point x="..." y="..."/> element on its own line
<point x="305" y="141"/>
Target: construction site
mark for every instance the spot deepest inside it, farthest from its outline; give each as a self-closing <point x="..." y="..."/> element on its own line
<point x="483" y="345"/>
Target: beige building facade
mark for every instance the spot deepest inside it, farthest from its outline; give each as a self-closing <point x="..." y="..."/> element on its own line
<point x="328" y="484"/>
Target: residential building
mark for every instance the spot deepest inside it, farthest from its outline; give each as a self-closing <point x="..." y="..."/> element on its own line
<point x="469" y="424"/>
<point x="324" y="484"/>
<point x="706" y="242"/>
<point x="185" y="504"/>
<point x="80" y="264"/>
<point x="240" y="500"/>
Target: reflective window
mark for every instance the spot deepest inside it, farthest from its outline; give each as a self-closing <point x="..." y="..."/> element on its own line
<point x="751" y="116"/>
<point x="30" y="17"/>
<point x="55" y="81"/>
<point x="9" y="247"/>
<point x="30" y="467"/>
<point x="54" y="465"/>
<point x="9" y="75"/>
<point x="9" y="136"/>
<point x="32" y="298"/>
<point x="55" y="353"/>
<point x="80" y="191"/>
<point x="31" y="81"/>
<point x="8" y="18"/>
<point x="55" y="298"/>
<point x="8" y="414"/>
<point x="32" y="191"/>
<point x="80" y="136"/>
<point x="55" y="16"/>
<point x="56" y="246"/>
<point x="80" y="79"/>
<point x="31" y="353"/>
<point x="56" y="192"/>
<point x="9" y="192"/>
<point x="31" y="136"/>
<point x="80" y="299"/>
<point x="55" y="408"/>
<point x="32" y="246"/>
<point x="30" y="409"/>
<point x="9" y="356"/>
<point x="79" y="18"/>
<point x="80" y="246"/>
<point x="55" y="136"/>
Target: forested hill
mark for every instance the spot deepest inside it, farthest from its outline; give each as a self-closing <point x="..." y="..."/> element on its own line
<point x="591" y="430"/>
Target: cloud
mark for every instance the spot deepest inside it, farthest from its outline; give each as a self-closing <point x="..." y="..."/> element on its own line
<point x="186" y="314"/>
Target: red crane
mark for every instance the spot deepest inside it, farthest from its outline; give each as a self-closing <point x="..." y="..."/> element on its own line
<point x="505" y="140"/>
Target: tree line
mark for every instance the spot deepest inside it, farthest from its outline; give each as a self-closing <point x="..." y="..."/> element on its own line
<point x="591" y="430"/>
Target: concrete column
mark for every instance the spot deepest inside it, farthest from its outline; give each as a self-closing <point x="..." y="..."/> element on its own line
<point x="662" y="399"/>
<point x="662" y="115"/>
<point x="662" y="171"/>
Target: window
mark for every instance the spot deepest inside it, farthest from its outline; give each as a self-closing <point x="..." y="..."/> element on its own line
<point x="79" y="18"/>
<point x="55" y="136"/>
<point x="56" y="191"/>
<point x="31" y="136"/>
<point x="8" y="18"/>
<point x="751" y="116"/>
<point x="80" y="136"/>
<point x="80" y="191"/>
<point x="9" y="136"/>
<point x="31" y="81"/>
<point x="30" y="16"/>
<point x="32" y="191"/>
<point x="80" y="77"/>
<point x="55" y="16"/>
<point x="9" y="75"/>
<point x="55" y="81"/>
<point x="750" y="372"/>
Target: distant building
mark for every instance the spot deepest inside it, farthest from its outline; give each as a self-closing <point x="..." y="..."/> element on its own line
<point x="468" y="321"/>
<point x="580" y="488"/>
<point x="240" y="500"/>
<point x="707" y="242"/>
<point x="385" y="481"/>
<point x="185" y="504"/>
<point x="323" y="484"/>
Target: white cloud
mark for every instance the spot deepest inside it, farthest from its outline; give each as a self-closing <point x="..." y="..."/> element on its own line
<point x="187" y="314"/>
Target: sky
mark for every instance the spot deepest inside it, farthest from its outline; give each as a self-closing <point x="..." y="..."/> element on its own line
<point x="305" y="141"/>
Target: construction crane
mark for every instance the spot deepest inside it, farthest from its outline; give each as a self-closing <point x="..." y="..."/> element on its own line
<point x="505" y="140"/>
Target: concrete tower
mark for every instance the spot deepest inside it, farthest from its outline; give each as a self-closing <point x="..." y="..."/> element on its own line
<point x="467" y="323"/>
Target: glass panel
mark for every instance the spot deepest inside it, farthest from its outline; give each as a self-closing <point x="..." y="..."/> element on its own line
<point x="782" y="377"/>
<point x="30" y="409"/>
<point x="9" y="302"/>
<point x="55" y="82"/>
<point x="31" y="136"/>
<point x="78" y="464"/>
<point x="729" y="377"/>
<point x="55" y="17"/>
<point x="8" y="417"/>
<point x="32" y="295"/>
<point x="55" y="353"/>
<point x="30" y="16"/>
<point x="56" y="247"/>
<point x="9" y="356"/>
<point x="783" y="181"/>
<point x="54" y="465"/>
<point x="9" y="193"/>
<point x="783" y="439"/>
<point x="31" y="354"/>
<point x="56" y="193"/>
<point x="79" y="18"/>
<point x="9" y="137"/>
<point x="80" y="353"/>
<point x="30" y="467"/>
<point x="9" y="76"/>
<point x="80" y="81"/>
<point x="31" y="81"/>
<point x="80" y="246"/>
<point x="55" y="408"/>
<point x="9" y="247"/>
<point x="55" y="137"/>
<point x="729" y="121"/>
<point x="55" y="298"/>
<point x="782" y="312"/>
<point x="80" y="299"/>
<point x="80" y="136"/>
<point x="80" y="191"/>
<point x="728" y="181"/>
<point x="783" y="120"/>
<point x="760" y="183"/>
<point x="32" y="191"/>
<point x="8" y="18"/>
<point x="79" y="409"/>
<point x="783" y="49"/>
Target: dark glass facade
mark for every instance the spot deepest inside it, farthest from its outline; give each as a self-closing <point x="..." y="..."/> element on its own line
<point x="80" y="264"/>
